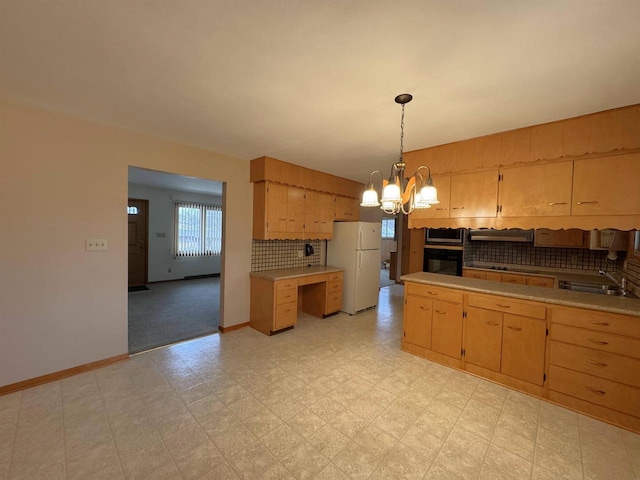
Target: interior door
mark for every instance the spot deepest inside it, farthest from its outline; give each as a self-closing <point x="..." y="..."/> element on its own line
<point x="138" y="227"/>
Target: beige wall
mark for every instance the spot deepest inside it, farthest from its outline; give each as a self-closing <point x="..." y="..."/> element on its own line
<point x="63" y="180"/>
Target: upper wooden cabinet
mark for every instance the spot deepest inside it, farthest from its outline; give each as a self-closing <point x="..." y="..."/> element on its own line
<point x="278" y="211"/>
<point x="318" y="215"/>
<point x="570" y="238"/>
<point x="346" y="208"/>
<point x="514" y="146"/>
<point x="474" y="194"/>
<point x="546" y="141"/>
<point x="538" y="190"/>
<point x="439" y="210"/>
<point x="607" y="186"/>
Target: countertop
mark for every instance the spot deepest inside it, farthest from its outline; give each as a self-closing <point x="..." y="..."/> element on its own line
<point x="286" y="273"/>
<point x="625" y="306"/>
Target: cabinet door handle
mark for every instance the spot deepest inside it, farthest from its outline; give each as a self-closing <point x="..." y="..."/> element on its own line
<point x="441" y="313"/>
<point x="603" y="324"/>
<point x="503" y="306"/>
<point x="551" y="204"/>
<point x="422" y="307"/>
<point x="493" y="324"/>
<point x="587" y="202"/>
<point x="442" y="208"/>
<point x="458" y="208"/>
<point x="597" y="364"/>
<point x="435" y="294"/>
<point x="517" y="329"/>
<point x="596" y="391"/>
<point x="598" y="342"/>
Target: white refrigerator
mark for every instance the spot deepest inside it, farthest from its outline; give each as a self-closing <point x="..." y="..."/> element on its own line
<point x="356" y="248"/>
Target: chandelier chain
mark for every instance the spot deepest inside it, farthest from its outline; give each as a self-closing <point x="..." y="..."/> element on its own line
<point x="401" y="134"/>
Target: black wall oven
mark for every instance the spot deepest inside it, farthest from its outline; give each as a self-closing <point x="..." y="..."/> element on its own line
<point x="446" y="261"/>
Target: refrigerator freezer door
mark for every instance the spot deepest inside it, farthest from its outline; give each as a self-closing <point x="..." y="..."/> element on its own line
<point x="367" y="280"/>
<point x="369" y="236"/>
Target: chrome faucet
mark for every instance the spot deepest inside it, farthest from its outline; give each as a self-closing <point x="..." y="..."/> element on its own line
<point x="620" y="284"/>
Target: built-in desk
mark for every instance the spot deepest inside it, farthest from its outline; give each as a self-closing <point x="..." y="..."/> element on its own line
<point x="278" y="295"/>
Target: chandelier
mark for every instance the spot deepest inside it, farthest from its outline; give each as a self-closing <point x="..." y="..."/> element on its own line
<point x="401" y="194"/>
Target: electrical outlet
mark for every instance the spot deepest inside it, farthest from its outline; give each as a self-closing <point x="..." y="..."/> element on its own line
<point x="300" y="253"/>
<point x="93" y="244"/>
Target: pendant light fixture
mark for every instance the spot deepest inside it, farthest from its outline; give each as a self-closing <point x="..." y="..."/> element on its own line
<point x="400" y="194"/>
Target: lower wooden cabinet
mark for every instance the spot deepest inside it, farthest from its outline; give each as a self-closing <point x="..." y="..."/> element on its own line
<point x="516" y="278"/>
<point x="483" y="338"/>
<point x="446" y="329"/>
<point x="523" y="348"/>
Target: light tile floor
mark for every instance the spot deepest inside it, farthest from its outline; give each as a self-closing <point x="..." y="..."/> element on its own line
<point x="331" y="399"/>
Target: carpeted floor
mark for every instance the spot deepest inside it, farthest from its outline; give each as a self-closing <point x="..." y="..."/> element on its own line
<point x="170" y="312"/>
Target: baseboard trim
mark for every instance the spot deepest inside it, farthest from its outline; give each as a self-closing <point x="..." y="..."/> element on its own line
<point x="69" y="372"/>
<point x="232" y="327"/>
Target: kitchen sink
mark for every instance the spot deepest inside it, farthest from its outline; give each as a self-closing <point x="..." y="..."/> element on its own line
<point x="599" y="288"/>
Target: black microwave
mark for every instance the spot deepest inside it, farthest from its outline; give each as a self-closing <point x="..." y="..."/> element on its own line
<point x="444" y="236"/>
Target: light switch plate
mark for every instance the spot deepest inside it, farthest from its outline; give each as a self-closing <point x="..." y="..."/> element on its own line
<point x="93" y="244"/>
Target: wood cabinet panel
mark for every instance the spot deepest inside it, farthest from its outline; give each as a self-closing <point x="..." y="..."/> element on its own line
<point x="538" y="190"/>
<point x="474" y="194"/>
<point x="493" y="276"/>
<point x="575" y="137"/>
<point x="483" y="338"/>
<point x="595" y="320"/>
<point x="286" y="315"/>
<point x="507" y="305"/>
<point x="515" y="146"/>
<point x="546" y="141"/>
<point x="412" y="249"/>
<point x="446" y="330"/>
<point x="276" y="207"/>
<point x="614" y="395"/>
<point x="606" y="342"/>
<point x="295" y="211"/>
<point x="347" y="209"/>
<point x="570" y="238"/>
<point x="436" y="293"/>
<point x="439" y="210"/>
<point x="619" y="368"/>
<point x="318" y="215"/>
<point x="547" y="282"/>
<point x="607" y="186"/>
<point x="631" y="127"/>
<point x="491" y="150"/>
<point x="513" y="278"/>
<point x="468" y="273"/>
<point x="467" y="154"/>
<point x="417" y="321"/>
<point x="523" y="347"/>
<point x="286" y="296"/>
<point x="605" y="131"/>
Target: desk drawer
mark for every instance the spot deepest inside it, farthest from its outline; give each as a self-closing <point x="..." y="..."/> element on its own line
<point x="600" y="391"/>
<point x="594" y="320"/>
<point x="333" y="287"/>
<point x="506" y="305"/>
<point x="334" y="302"/>
<point x="423" y="290"/>
<point x="517" y="279"/>
<point x="599" y="340"/>
<point x="614" y="367"/>
<point x="286" y="296"/>
<point x="286" y="315"/>
<point x="310" y="279"/>
<point x="286" y="284"/>
<point x="334" y="277"/>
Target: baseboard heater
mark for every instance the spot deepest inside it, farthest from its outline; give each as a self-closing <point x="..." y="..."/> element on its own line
<point x="207" y="275"/>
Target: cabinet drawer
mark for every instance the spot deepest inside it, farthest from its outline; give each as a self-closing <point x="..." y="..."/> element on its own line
<point x="286" y="296"/>
<point x="594" y="320"/>
<point x="334" y="302"/>
<point x="547" y="282"/>
<point x="513" y="278"/>
<point x="501" y="304"/>
<point x="310" y="279"/>
<point x="607" y="342"/>
<point x="596" y="362"/>
<point x="474" y="274"/>
<point x="600" y="391"/>
<point x="286" y="315"/>
<point x="286" y="284"/>
<point x="422" y="290"/>
<point x="333" y="287"/>
<point x="334" y="277"/>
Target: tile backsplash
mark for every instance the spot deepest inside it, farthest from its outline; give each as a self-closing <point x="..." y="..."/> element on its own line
<point x="277" y="254"/>
<point x="515" y="253"/>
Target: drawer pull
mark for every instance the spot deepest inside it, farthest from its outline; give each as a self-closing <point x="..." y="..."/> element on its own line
<point x="441" y="208"/>
<point x="503" y="306"/>
<point x="602" y="324"/>
<point x="441" y="313"/>
<point x="597" y="364"/>
<point x="493" y="324"/>
<point x="458" y="208"/>
<point x="596" y="391"/>
<point x="517" y="329"/>
<point x="587" y="202"/>
<point x="432" y="293"/>
<point x="551" y="204"/>
<point x="597" y="342"/>
<point x="422" y="307"/>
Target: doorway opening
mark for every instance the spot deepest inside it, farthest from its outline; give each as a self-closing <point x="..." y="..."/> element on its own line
<point x="174" y="295"/>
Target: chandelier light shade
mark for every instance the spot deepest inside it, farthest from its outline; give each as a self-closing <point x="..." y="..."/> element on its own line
<point x="400" y="194"/>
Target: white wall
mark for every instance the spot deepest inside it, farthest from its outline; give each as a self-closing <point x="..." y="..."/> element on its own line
<point x="64" y="180"/>
<point x="161" y="221"/>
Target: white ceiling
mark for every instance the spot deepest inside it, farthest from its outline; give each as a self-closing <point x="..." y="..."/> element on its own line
<point x="171" y="181"/>
<point x="313" y="82"/>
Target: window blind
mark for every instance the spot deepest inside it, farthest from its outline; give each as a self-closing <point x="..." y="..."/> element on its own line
<point x="198" y="229"/>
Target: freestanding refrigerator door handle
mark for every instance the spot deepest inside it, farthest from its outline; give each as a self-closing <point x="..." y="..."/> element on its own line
<point x="359" y="261"/>
<point x="360" y="239"/>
